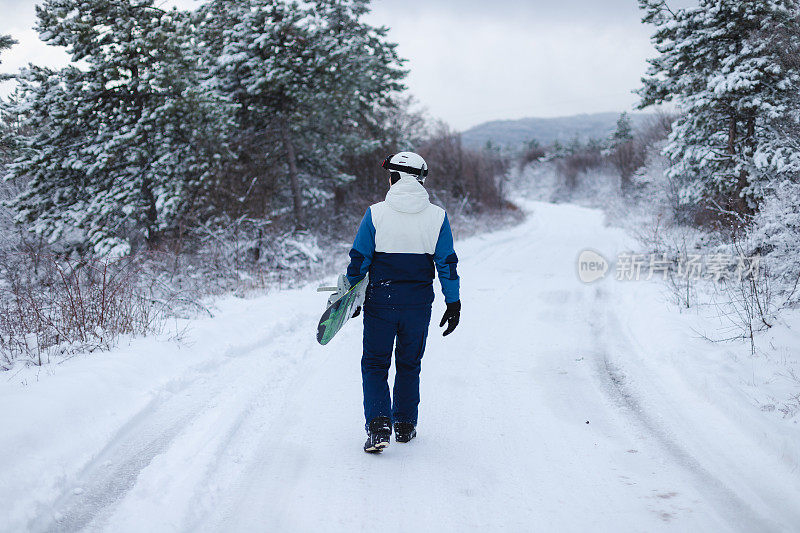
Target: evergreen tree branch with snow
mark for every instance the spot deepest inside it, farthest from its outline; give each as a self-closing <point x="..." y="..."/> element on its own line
<point x="305" y="79"/>
<point x="118" y="151"/>
<point x="6" y="42"/>
<point x="720" y="64"/>
<point x="165" y="119"/>
<point x="7" y="140"/>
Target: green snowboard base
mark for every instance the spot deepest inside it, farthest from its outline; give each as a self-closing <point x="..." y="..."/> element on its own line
<point x="340" y="311"/>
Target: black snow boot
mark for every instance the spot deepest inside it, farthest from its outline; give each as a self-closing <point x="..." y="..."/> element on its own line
<point x="378" y="434"/>
<point x="404" y="431"/>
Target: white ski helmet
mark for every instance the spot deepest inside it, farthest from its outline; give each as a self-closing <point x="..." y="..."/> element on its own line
<point x="406" y="164"/>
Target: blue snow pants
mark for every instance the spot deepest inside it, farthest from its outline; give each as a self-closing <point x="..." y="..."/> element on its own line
<point x="409" y="326"/>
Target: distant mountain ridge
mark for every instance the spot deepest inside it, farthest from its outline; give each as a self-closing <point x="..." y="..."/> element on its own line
<point x="515" y="133"/>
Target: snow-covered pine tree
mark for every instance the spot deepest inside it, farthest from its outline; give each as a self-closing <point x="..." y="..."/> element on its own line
<point x="6" y="42"/>
<point x="122" y="145"/>
<point x="624" y="131"/>
<point x="775" y="233"/>
<point x="8" y="133"/>
<point x="6" y="142"/>
<point x="779" y="156"/>
<point x="305" y="77"/>
<point x="717" y="64"/>
<point x="625" y="153"/>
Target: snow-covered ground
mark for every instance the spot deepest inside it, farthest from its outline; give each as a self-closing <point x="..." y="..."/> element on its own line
<point x="555" y="406"/>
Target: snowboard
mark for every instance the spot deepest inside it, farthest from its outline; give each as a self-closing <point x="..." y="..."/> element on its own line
<point x="340" y="310"/>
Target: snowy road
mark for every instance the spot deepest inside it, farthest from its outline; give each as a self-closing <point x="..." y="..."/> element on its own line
<point x="555" y="406"/>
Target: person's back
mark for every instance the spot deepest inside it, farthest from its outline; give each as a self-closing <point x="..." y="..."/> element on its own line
<point x="401" y="242"/>
<point x="407" y="228"/>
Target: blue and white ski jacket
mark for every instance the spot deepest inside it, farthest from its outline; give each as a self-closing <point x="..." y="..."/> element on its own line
<point x="401" y="242"/>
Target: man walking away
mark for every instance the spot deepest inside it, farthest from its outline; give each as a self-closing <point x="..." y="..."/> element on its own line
<point x="401" y="242"/>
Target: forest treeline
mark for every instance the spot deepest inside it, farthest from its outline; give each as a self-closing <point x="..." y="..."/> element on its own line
<point x="170" y="121"/>
<point x="181" y="154"/>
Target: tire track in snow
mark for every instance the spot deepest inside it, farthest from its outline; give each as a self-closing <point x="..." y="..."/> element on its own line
<point x="108" y="477"/>
<point x="89" y="497"/>
<point x="614" y="382"/>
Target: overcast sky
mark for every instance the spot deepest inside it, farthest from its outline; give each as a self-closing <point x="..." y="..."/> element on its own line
<point x="476" y="60"/>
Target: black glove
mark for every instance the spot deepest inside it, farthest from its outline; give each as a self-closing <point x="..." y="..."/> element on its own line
<point x="451" y="316"/>
<point x="357" y="312"/>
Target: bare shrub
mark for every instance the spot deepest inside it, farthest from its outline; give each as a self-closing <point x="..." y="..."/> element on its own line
<point x="751" y="304"/>
<point x="534" y="152"/>
<point x="474" y="178"/>
<point x="570" y="166"/>
<point x="682" y="285"/>
<point x="655" y="129"/>
<point x="630" y="150"/>
<point x="50" y="305"/>
<point x="241" y="255"/>
<point x="627" y="158"/>
<point x="460" y="178"/>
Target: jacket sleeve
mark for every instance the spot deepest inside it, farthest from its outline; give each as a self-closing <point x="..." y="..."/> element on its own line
<point x="362" y="251"/>
<point x="446" y="261"/>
